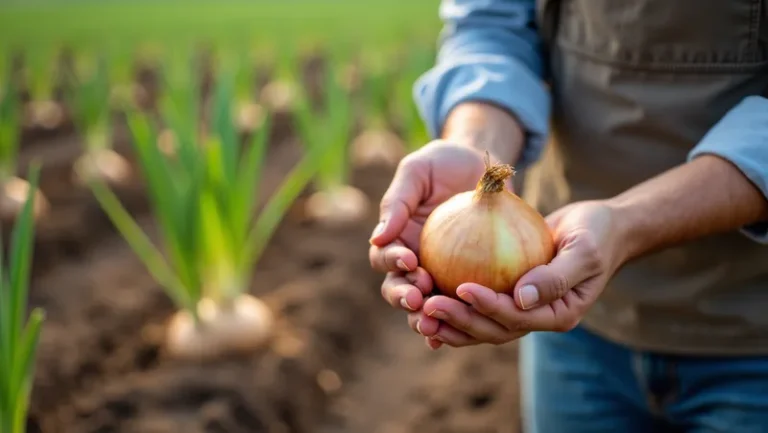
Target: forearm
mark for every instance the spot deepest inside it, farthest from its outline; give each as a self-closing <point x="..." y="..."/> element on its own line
<point x="705" y="196"/>
<point x="485" y="127"/>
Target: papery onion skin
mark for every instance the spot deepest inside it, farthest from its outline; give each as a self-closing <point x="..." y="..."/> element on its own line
<point x="488" y="236"/>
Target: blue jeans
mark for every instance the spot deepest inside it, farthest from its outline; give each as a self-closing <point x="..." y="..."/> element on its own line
<point x="577" y="382"/>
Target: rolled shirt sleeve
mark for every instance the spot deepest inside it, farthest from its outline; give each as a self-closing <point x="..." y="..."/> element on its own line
<point x="490" y="51"/>
<point x="741" y="137"/>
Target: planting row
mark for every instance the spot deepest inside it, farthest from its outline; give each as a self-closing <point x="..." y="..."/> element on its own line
<point x="194" y="154"/>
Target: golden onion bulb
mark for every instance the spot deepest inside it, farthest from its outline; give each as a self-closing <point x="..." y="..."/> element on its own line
<point x="488" y="236"/>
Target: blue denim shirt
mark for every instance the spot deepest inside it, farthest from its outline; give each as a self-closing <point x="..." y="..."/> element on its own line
<point x="491" y="51"/>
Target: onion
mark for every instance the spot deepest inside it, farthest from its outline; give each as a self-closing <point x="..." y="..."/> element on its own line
<point x="338" y="206"/>
<point x="249" y="117"/>
<point x="488" y="236"/>
<point x="375" y="146"/>
<point x="105" y="164"/>
<point x="240" y="326"/>
<point x="13" y="196"/>
<point x="48" y="114"/>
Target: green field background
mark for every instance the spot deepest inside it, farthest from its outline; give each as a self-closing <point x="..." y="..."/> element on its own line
<point x="29" y="23"/>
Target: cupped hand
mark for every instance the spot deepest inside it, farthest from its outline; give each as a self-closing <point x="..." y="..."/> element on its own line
<point x="424" y="179"/>
<point x="551" y="297"/>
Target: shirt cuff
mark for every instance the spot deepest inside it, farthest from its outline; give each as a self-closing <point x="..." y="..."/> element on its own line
<point x="741" y="137"/>
<point x="500" y="80"/>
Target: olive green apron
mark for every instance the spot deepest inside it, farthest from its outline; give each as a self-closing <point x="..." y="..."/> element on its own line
<point x="636" y="84"/>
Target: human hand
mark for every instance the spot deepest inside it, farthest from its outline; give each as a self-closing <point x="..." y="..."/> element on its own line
<point x="424" y="179"/>
<point x="552" y="297"/>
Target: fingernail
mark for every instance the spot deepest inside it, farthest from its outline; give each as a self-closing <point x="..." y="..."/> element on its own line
<point x="437" y="314"/>
<point x="418" y="327"/>
<point x="529" y="296"/>
<point x="404" y="303"/>
<point x="467" y="297"/>
<point x="439" y="338"/>
<point x="411" y="277"/>
<point x="402" y="266"/>
<point x="377" y="231"/>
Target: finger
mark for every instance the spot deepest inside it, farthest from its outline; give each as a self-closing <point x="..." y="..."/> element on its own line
<point x="423" y="324"/>
<point x="465" y="319"/>
<point x="577" y="261"/>
<point x="561" y="315"/>
<point x="401" y="293"/>
<point x="499" y="307"/>
<point x="454" y="338"/>
<point x="392" y="257"/>
<point x="432" y="343"/>
<point x="399" y="202"/>
<point x="420" y="278"/>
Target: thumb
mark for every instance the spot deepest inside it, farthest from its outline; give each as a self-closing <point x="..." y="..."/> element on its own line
<point x="400" y="201"/>
<point x="574" y="263"/>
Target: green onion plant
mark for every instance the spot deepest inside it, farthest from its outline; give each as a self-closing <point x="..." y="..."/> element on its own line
<point x="121" y="75"/>
<point x="9" y="126"/>
<point x="330" y="126"/>
<point x="283" y="90"/>
<point x="212" y="230"/>
<point x="19" y="332"/>
<point x="88" y="95"/>
<point x="13" y="190"/>
<point x="377" y="142"/>
<point x="41" y="72"/>
<point x="243" y="59"/>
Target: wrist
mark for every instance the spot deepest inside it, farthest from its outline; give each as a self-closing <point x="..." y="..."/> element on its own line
<point x="483" y="126"/>
<point x="625" y="227"/>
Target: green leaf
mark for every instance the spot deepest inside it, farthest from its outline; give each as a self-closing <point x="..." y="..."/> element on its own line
<point x="141" y="244"/>
<point x="24" y="368"/>
<point x="9" y="128"/>
<point x="21" y="257"/>
<point x="224" y="127"/>
<point x="17" y="341"/>
<point x="245" y="195"/>
<point x="278" y="204"/>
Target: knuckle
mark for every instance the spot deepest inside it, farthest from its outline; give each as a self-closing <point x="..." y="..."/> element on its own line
<point x="567" y="325"/>
<point x="409" y="162"/>
<point x="522" y="325"/>
<point x="560" y="286"/>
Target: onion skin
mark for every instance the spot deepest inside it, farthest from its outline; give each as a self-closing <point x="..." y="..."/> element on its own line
<point x="488" y="236"/>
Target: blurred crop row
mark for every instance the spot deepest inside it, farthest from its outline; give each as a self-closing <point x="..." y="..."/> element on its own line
<point x="200" y="87"/>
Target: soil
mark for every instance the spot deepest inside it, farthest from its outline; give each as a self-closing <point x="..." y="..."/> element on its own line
<point x="342" y="361"/>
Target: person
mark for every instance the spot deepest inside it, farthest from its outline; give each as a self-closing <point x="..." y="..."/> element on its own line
<point x="643" y="128"/>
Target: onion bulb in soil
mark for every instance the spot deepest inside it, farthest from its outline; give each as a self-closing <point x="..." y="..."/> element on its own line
<point x="249" y="116"/>
<point x="105" y="164"/>
<point x="13" y="195"/>
<point x="128" y="95"/>
<point x="47" y="114"/>
<point x="239" y="326"/>
<point x="337" y="206"/>
<point x="488" y="236"/>
<point x="374" y="146"/>
<point x="279" y="96"/>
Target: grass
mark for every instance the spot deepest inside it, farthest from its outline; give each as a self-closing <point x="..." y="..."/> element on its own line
<point x="261" y="21"/>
